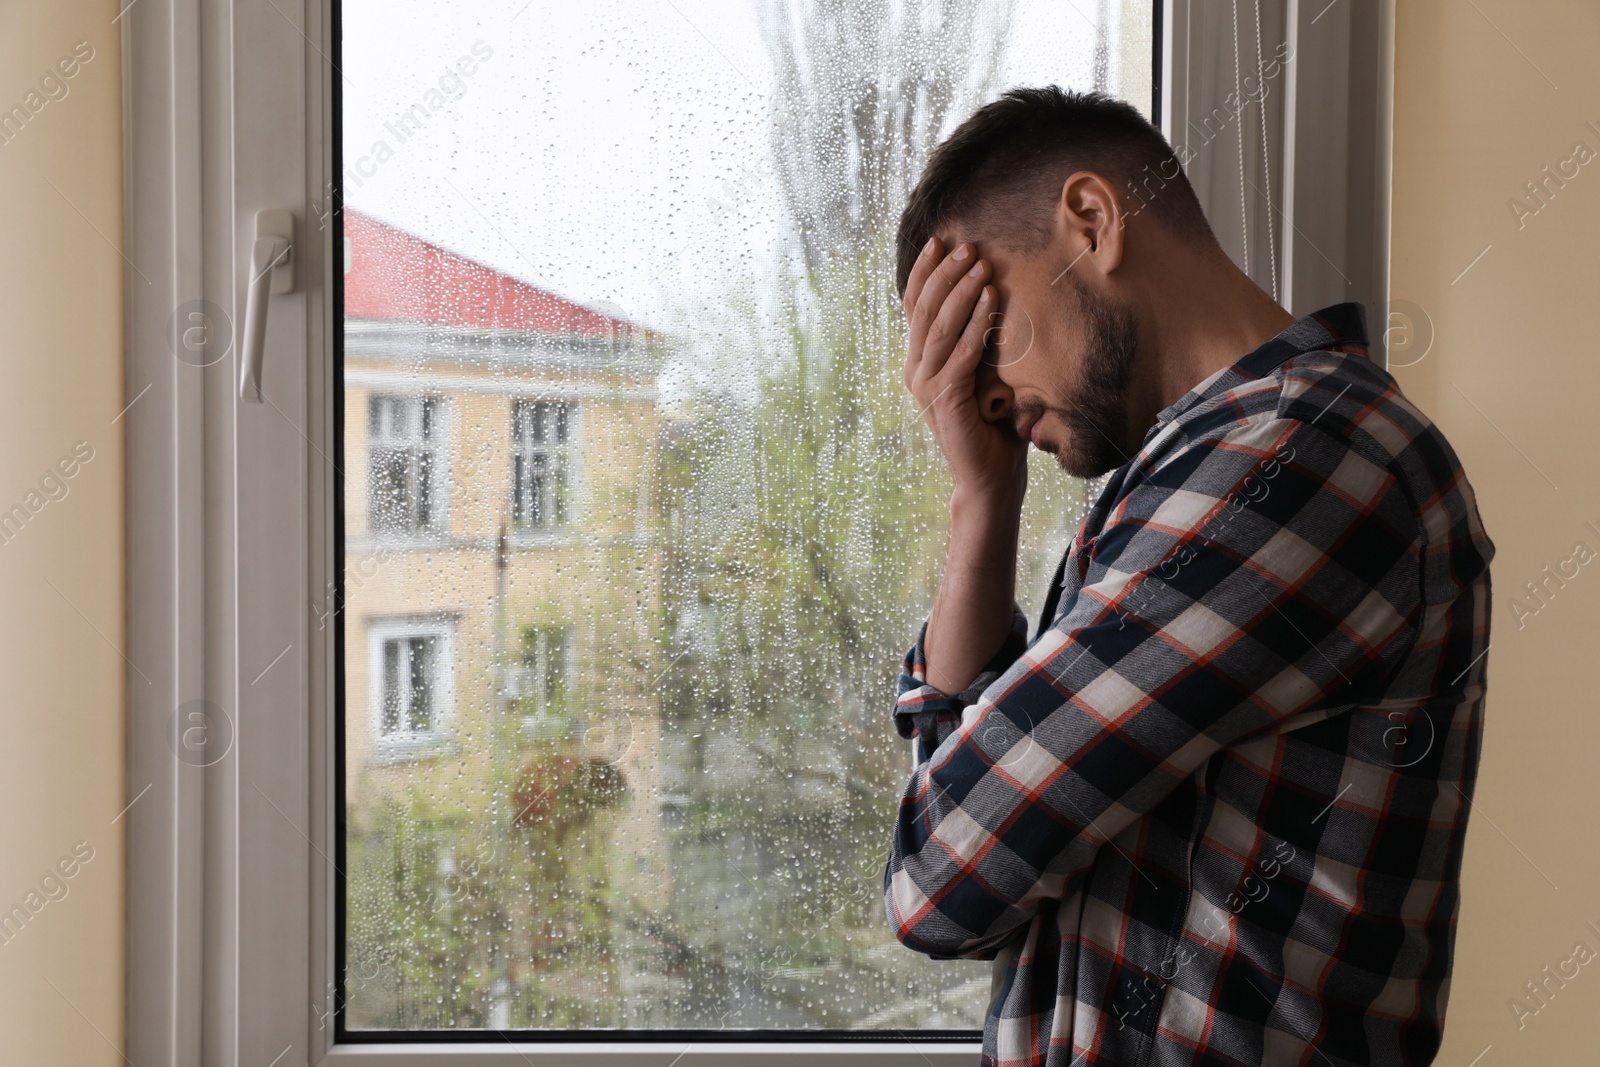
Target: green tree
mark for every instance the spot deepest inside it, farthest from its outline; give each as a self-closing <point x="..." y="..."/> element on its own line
<point x="807" y="529"/>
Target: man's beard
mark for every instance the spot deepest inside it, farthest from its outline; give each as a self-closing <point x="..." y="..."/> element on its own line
<point x="1096" y="409"/>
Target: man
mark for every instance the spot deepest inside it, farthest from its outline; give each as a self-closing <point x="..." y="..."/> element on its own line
<point x="1213" y="813"/>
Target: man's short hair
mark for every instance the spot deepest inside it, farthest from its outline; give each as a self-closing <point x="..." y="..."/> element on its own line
<point x="1000" y="173"/>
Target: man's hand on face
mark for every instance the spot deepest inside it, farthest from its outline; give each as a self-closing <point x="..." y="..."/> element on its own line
<point x="950" y="308"/>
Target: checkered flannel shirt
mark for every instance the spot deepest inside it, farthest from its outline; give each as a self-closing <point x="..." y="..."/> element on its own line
<point x="1213" y="813"/>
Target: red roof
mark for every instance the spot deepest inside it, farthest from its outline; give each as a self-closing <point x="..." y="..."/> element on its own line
<point x="395" y="276"/>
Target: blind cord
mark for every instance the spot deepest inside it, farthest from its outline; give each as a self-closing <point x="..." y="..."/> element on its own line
<point x="1266" y="157"/>
<point x="1244" y="205"/>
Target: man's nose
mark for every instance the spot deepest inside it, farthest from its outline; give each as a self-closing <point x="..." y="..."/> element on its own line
<point x="994" y="395"/>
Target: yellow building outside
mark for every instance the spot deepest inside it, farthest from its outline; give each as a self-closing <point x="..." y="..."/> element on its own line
<point x="502" y="573"/>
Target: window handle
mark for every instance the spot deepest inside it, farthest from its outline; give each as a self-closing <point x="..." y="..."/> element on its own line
<point x="271" y="271"/>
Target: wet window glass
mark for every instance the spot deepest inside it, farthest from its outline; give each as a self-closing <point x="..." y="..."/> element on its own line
<point x="639" y="518"/>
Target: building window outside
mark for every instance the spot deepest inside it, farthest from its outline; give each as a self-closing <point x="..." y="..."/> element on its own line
<point x="413" y="683"/>
<point x="544" y="667"/>
<point x="540" y="683"/>
<point x="409" y="665"/>
<point x="542" y="433"/>
<point x="405" y="435"/>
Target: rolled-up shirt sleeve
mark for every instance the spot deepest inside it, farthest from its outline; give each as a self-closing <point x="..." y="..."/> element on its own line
<point x="929" y="715"/>
<point x="1265" y="573"/>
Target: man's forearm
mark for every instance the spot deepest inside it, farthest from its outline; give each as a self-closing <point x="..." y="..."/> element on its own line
<point x="972" y="612"/>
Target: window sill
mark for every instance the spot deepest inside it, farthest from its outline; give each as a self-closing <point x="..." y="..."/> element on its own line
<point x="388" y="753"/>
<point x="546" y="728"/>
<point x="868" y="1052"/>
<point x="391" y="542"/>
<point x="540" y="536"/>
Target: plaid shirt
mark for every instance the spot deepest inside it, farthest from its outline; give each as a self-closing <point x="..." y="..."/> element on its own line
<point x="1214" y="812"/>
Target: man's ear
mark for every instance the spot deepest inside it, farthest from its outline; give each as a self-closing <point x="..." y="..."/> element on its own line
<point x="1091" y="218"/>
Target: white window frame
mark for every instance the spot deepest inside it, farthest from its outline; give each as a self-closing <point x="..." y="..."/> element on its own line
<point x="231" y="866"/>
<point x="524" y="676"/>
<point x="438" y="444"/>
<point x="568" y="453"/>
<point x="408" y="744"/>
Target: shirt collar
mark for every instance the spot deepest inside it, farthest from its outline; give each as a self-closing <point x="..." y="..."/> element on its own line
<point x="1336" y="328"/>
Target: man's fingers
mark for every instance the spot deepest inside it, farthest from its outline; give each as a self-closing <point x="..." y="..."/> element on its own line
<point x="951" y="322"/>
<point x="963" y="361"/>
<point x="935" y="289"/>
<point x="941" y="281"/>
<point x="932" y="253"/>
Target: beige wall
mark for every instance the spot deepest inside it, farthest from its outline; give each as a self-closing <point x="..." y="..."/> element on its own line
<point x="61" y="574"/>
<point x="1512" y="377"/>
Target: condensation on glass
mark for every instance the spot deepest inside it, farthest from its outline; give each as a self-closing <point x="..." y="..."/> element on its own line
<point x="639" y="519"/>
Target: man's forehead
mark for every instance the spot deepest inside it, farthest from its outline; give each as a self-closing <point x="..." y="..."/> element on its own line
<point x="1000" y="257"/>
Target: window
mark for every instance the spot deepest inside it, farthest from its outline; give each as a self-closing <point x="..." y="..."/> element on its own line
<point x="539" y="684"/>
<point x="409" y="664"/>
<point x="412" y="685"/>
<point x="709" y="314"/>
<point x="404" y="462"/>
<point x="660" y="215"/>
<point x="541" y="441"/>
